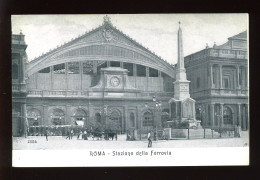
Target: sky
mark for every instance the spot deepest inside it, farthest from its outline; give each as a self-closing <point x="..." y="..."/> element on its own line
<point x="158" y="32"/>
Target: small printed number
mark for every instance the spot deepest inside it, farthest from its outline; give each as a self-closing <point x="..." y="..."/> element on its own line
<point x="32" y="141"/>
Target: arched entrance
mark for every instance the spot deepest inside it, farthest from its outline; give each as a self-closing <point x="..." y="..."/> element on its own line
<point x="33" y="117"/>
<point x="79" y="117"/>
<point x="57" y="117"/>
<point x="227" y="116"/>
<point x="132" y="120"/>
<point x="114" y="121"/>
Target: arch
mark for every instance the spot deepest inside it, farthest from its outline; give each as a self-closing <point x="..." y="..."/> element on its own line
<point x="57" y="117"/>
<point x="79" y="116"/>
<point x="33" y="117"/>
<point x="227" y="115"/>
<point x="114" y="121"/>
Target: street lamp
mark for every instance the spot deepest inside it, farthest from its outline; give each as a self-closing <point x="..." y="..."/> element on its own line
<point x="156" y="108"/>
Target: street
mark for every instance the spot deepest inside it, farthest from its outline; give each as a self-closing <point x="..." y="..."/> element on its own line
<point x="61" y="143"/>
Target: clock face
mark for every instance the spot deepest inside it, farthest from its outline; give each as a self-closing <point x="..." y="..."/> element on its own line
<point x="114" y="81"/>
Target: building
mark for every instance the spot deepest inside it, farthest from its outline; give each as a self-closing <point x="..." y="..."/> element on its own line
<point x="219" y="83"/>
<point x="19" y="92"/>
<point x="100" y="78"/>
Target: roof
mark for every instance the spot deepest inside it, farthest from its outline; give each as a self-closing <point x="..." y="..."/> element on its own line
<point x="242" y="35"/>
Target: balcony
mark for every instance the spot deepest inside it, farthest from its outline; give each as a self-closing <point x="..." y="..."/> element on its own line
<point x="19" y="88"/>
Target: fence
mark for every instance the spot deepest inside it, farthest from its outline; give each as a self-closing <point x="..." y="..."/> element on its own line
<point x="53" y="130"/>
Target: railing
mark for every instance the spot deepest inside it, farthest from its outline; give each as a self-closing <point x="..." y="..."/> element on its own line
<point x="18" y="87"/>
<point x="222" y="92"/>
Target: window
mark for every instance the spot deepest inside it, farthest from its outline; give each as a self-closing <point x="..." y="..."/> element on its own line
<point x="33" y="117"/>
<point x="59" y="69"/>
<point x="226" y="83"/>
<point x="132" y="119"/>
<point x="214" y="77"/>
<point x="130" y="68"/>
<point x="227" y="116"/>
<point x="73" y="68"/>
<point x="45" y="70"/>
<point x="88" y="67"/>
<point x="57" y="117"/>
<point x="141" y="70"/>
<point x="79" y="117"/>
<point x="198" y="82"/>
<point x="114" y="64"/>
<point x="153" y="72"/>
<point x="14" y="71"/>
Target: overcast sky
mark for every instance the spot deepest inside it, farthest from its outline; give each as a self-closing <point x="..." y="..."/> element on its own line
<point x="158" y="32"/>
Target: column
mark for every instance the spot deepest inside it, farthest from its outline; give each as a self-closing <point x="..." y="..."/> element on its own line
<point x="81" y="73"/>
<point x="134" y="73"/>
<point x="212" y="114"/>
<point x="211" y="76"/>
<point x="51" y="68"/>
<point x="95" y="67"/>
<point x="66" y="74"/>
<point x="237" y="69"/>
<point x="45" y="115"/>
<point x="24" y="120"/>
<point x="125" y="120"/>
<point x="160" y="81"/>
<point x="121" y="64"/>
<point x="246" y="79"/>
<point x="239" y="114"/>
<point x="22" y="74"/>
<point x="147" y="78"/>
<point x="221" y="115"/>
<point x="220" y="76"/>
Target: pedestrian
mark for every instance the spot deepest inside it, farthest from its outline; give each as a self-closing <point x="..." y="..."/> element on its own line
<point x="68" y="134"/>
<point x="85" y="135"/>
<point x="46" y="134"/>
<point x="79" y="135"/>
<point x="71" y="134"/>
<point x="149" y="139"/>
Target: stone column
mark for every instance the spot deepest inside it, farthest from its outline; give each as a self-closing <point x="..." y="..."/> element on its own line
<point x="95" y="67"/>
<point x="22" y="74"/>
<point x="160" y="81"/>
<point x="66" y="74"/>
<point x="81" y="73"/>
<point x="239" y="114"/>
<point x="24" y="120"/>
<point x="147" y="78"/>
<point x="125" y="120"/>
<point x="212" y="114"/>
<point x="211" y="76"/>
<point x="134" y="73"/>
<point x="221" y="123"/>
<point x="51" y="68"/>
<point x="220" y="76"/>
<point x="45" y="117"/>
<point x="237" y="70"/>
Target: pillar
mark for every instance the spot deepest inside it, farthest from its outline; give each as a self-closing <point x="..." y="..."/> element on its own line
<point x="147" y="78"/>
<point x="95" y="67"/>
<point x="45" y="117"/>
<point x="220" y="76"/>
<point x="237" y="70"/>
<point x="66" y="75"/>
<point x="81" y="74"/>
<point x="134" y="74"/>
<point x="239" y="114"/>
<point x="24" y="120"/>
<point x="160" y="81"/>
<point x="212" y="114"/>
<point x="22" y="74"/>
<point x="211" y="76"/>
<point x="221" y="115"/>
<point x="51" y="68"/>
<point x="125" y="120"/>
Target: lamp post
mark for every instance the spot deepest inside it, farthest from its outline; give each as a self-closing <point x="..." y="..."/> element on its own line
<point x="219" y="122"/>
<point x="156" y="108"/>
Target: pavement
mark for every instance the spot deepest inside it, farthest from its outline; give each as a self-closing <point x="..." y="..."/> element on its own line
<point x="61" y="143"/>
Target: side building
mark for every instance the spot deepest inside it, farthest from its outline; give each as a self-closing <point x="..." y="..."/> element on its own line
<point x="19" y="58"/>
<point x="219" y="83"/>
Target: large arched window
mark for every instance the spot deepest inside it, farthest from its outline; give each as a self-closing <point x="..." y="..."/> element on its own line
<point x="14" y="71"/>
<point x="227" y="116"/>
<point x="114" y="121"/>
<point x="33" y="117"/>
<point x="147" y="119"/>
<point x="58" y="117"/>
<point x="79" y="116"/>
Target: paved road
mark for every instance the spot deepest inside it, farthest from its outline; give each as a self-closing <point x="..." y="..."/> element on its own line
<point x="58" y="142"/>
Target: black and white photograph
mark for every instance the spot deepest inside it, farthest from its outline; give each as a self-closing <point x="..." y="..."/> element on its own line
<point x="130" y="90"/>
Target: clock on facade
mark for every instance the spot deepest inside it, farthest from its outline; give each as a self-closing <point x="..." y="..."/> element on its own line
<point x="114" y="81"/>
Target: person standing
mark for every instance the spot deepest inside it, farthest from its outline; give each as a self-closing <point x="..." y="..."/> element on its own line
<point x="85" y="135"/>
<point x="71" y="134"/>
<point x="68" y="134"/>
<point x="149" y="139"/>
<point x="46" y="134"/>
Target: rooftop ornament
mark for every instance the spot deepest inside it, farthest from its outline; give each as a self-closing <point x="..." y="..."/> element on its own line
<point x="107" y="20"/>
